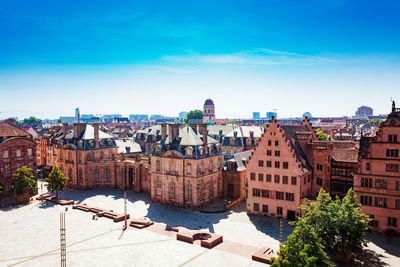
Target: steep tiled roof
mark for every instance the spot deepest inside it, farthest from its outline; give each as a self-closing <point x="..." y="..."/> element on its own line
<point x="345" y="155"/>
<point x="292" y="132"/>
<point x="8" y="130"/>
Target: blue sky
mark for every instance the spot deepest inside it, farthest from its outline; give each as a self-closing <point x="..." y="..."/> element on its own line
<point x="326" y="57"/>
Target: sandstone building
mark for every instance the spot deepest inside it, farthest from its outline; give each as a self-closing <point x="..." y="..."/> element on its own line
<point x="377" y="182"/>
<point x="186" y="167"/>
<point x="17" y="149"/>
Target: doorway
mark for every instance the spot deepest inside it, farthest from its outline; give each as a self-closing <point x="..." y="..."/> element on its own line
<point x="230" y="190"/>
<point x="130" y="175"/>
<point x="291" y="215"/>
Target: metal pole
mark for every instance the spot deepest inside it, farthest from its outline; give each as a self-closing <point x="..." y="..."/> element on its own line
<point x="281" y="232"/>
<point x="126" y="223"/>
<point x="63" y="246"/>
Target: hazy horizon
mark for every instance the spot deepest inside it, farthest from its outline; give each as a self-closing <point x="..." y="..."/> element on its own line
<point x="324" y="57"/>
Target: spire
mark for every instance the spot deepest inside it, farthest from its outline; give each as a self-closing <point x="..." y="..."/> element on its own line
<point x="393" y="106"/>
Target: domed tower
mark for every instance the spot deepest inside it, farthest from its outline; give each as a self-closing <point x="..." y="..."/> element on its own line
<point x="209" y="110"/>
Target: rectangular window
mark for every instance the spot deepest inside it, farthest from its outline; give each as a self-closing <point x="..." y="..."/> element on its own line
<point x="256" y="207"/>
<point x="6" y="169"/>
<point x="397" y="204"/>
<point x="276" y="179"/>
<point x="279" y="195"/>
<point x="269" y="164"/>
<point x="285" y="165"/>
<point x="380" y="202"/>
<point x="279" y="210"/>
<point x="294" y="180"/>
<point x="319" y="181"/>
<point x="367" y="166"/>
<point x="366" y="200"/>
<point x="268" y="177"/>
<point x="397" y="185"/>
<point x="394" y="153"/>
<point x="392" y="221"/>
<point x="277" y="164"/>
<point x="252" y="176"/>
<point x="5" y="154"/>
<point x="269" y="152"/>
<point x="269" y="142"/>
<point x="265" y="208"/>
<point x="256" y="192"/>
<point x="289" y="196"/>
<point x="18" y="152"/>
<point x="260" y="163"/>
<point x="277" y="153"/>
<point x="29" y="152"/>
<point x="276" y="143"/>
<point x="392" y="167"/>
<point x="265" y="193"/>
<point x="260" y="177"/>
<point x="366" y="182"/>
<point x="392" y="138"/>
<point x="381" y="183"/>
<point x="285" y="179"/>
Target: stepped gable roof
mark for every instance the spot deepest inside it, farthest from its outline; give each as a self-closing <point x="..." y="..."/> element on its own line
<point x="292" y="132"/>
<point x="345" y="155"/>
<point x="209" y="102"/>
<point x="8" y="130"/>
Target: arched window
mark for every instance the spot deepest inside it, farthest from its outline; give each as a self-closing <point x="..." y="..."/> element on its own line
<point x="80" y="178"/>
<point x="211" y="189"/>
<point x="201" y="192"/>
<point x="172" y="190"/>
<point x="189" y="192"/>
<point x="108" y="175"/>
<point x="70" y="174"/>
<point x="158" y="187"/>
<point x="96" y="176"/>
<point x="189" y="169"/>
<point x="210" y="167"/>
<point x="158" y="165"/>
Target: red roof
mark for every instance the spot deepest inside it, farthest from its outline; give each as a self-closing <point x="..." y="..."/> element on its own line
<point x="8" y="130"/>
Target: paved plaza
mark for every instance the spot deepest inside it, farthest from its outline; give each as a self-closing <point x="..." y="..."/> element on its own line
<point x="30" y="235"/>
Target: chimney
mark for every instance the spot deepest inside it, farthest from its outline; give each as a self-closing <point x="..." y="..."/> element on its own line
<point x="65" y="128"/>
<point x="163" y="131"/>
<point x="173" y="132"/>
<point x="78" y="129"/>
<point x="203" y="129"/>
<point x="96" y="134"/>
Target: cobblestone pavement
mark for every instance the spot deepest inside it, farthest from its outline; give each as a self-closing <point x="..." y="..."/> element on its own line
<point x="30" y="235"/>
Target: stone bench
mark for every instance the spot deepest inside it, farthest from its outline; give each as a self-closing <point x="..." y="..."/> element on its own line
<point x="264" y="255"/>
<point x="208" y="240"/>
<point x="141" y="223"/>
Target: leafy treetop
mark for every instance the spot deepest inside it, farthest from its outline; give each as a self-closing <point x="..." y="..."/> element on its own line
<point x="24" y="181"/>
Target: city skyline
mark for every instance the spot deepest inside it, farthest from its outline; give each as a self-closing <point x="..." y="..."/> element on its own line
<point x="131" y="58"/>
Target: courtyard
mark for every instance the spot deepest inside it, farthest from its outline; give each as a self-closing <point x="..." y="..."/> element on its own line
<point x="30" y="235"/>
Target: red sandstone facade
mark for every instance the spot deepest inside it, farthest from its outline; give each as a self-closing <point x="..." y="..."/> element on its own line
<point x="278" y="174"/>
<point x="377" y="182"/>
<point x="17" y="149"/>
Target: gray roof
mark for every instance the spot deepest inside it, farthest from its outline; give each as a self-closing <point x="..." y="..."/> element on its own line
<point x="240" y="157"/>
<point x="244" y="131"/>
<point x="127" y="145"/>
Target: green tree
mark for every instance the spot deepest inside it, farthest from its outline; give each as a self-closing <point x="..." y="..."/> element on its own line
<point x="339" y="223"/>
<point x="24" y="181"/>
<point x="375" y="122"/>
<point x="32" y="121"/>
<point x="194" y="114"/>
<point x="303" y="248"/>
<point x="56" y="180"/>
<point x="321" y="135"/>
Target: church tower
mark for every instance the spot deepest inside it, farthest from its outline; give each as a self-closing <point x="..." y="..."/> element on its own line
<point x="209" y="111"/>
